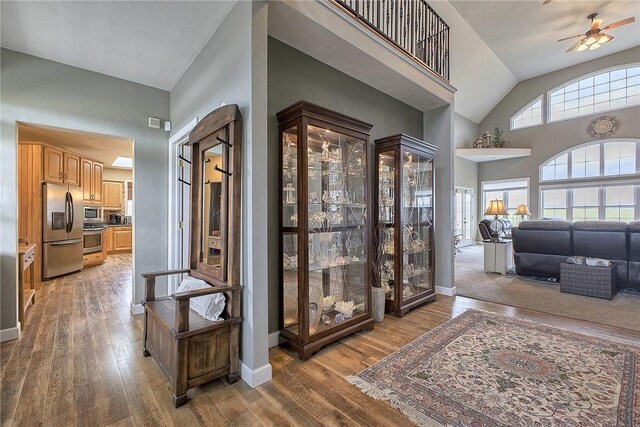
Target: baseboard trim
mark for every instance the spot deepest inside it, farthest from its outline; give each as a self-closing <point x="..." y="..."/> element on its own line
<point x="442" y="290"/>
<point x="257" y="376"/>
<point x="10" y="333"/>
<point x="136" y="308"/>
<point x="274" y="339"/>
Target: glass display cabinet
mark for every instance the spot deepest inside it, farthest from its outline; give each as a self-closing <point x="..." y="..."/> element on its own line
<point x="324" y="227"/>
<point x="404" y="258"/>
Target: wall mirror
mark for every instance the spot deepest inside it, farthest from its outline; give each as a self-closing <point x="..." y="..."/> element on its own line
<point x="215" y="166"/>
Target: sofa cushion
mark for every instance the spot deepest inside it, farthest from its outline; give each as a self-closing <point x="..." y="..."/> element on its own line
<point x="600" y="239"/>
<point x="633" y="255"/>
<point x="603" y="239"/>
<point x="543" y="237"/>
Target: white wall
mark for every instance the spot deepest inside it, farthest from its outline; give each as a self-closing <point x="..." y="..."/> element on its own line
<point x="39" y="91"/>
<point x="549" y="139"/>
<point x="232" y="69"/>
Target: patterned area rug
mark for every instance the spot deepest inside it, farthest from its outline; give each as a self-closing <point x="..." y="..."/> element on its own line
<point x="485" y="369"/>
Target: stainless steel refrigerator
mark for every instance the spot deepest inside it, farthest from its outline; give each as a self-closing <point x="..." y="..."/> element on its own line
<point x="62" y="217"/>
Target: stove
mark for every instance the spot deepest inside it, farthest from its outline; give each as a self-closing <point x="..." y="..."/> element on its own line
<point x="92" y="237"/>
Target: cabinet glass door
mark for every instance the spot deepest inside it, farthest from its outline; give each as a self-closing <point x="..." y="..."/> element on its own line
<point x="386" y="228"/>
<point x="417" y="223"/>
<point x="290" y="227"/>
<point x="337" y="255"/>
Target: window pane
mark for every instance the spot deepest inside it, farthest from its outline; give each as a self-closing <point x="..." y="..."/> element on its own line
<point x="622" y="195"/>
<point x="554" y="199"/>
<point x="585" y="196"/>
<point x="529" y="116"/>
<point x="603" y="92"/>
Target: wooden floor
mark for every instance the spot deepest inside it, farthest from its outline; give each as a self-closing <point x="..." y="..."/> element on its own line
<point x="79" y="362"/>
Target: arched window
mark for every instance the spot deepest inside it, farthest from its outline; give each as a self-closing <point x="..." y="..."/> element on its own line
<point x="529" y="115"/>
<point x="601" y="91"/>
<point x="594" y="181"/>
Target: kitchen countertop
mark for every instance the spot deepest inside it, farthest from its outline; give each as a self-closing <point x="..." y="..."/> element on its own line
<point x="116" y="225"/>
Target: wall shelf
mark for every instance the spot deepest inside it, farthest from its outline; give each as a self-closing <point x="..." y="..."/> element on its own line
<point x="480" y="155"/>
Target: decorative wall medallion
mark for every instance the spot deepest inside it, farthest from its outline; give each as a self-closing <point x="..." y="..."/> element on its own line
<point x="603" y="127"/>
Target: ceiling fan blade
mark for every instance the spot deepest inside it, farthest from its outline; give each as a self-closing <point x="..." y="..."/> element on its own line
<point x="546" y="2"/>
<point x="596" y="23"/>
<point x="567" y="38"/>
<point x="578" y="43"/>
<point x="619" y="23"/>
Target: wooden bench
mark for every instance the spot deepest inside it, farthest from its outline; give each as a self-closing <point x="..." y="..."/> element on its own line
<point x="190" y="349"/>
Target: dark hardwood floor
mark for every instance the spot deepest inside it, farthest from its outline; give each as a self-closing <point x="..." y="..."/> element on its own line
<point x="79" y="362"/>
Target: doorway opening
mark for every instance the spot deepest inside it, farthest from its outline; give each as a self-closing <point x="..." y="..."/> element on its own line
<point x="75" y="208"/>
<point x="464" y="222"/>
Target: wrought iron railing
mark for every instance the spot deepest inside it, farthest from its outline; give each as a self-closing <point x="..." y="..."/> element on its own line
<point x="411" y="25"/>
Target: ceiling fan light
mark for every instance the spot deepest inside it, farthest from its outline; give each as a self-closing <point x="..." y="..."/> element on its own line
<point x="604" y="39"/>
<point x="590" y="40"/>
<point x="582" y="47"/>
<point x="594" y="46"/>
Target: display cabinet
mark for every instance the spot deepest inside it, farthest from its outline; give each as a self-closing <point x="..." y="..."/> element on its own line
<point x="324" y="227"/>
<point x="404" y="258"/>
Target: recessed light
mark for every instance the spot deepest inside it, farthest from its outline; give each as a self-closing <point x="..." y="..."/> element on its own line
<point x="123" y="162"/>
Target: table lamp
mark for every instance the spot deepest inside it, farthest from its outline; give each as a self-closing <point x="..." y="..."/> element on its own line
<point x="495" y="208"/>
<point x="522" y="211"/>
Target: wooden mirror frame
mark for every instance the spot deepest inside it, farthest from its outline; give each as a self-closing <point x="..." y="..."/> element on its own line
<point x="220" y="127"/>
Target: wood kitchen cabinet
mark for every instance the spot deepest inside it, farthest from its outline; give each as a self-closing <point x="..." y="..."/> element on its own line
<point x="53" y="162"/>
<point x="119" y="239"/>
<point x="60" y="167"/>
<point x="92" y="181"/>
<point x="112" y="195"/>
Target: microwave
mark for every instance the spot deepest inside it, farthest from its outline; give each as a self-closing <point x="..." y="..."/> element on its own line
<point x="93" y="214"/>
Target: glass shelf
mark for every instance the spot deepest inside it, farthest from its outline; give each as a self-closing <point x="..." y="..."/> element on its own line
<point x="404" y="186"/>
<point x="330" y="197"/>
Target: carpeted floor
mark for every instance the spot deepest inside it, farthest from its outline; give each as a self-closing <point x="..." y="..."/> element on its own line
<point x="486" y="369"/>
<point x="471" y="281"/>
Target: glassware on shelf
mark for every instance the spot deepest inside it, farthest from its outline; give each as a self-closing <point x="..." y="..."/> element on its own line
<point x="325" y="207"/>
<point x="404" y="179"/>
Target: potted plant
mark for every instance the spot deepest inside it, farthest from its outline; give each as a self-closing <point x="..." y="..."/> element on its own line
<point x="378" y="291"/>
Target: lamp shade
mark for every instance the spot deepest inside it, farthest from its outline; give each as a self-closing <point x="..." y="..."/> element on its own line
<point x="496" y="207"/>
<point x="522" y="210"/>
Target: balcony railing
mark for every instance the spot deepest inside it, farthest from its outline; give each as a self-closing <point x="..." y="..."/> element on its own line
<point x="411" y="25"/>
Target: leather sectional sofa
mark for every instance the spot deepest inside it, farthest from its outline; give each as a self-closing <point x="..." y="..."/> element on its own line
<point x="541" y="246"/>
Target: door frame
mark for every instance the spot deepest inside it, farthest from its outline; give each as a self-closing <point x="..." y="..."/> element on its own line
<point x="174" y="254"/>
<point x="471" y="191"/>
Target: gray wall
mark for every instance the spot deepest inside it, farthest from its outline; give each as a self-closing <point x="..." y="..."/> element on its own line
<point x="294" y="76"/>
<point x="231" y="69"/>
<point x="439" y="130"/>
<point x="549" y="139"/>
<point x="464" y="133"/>
<point x="39" y="91"/>
<point x="465" y="171"/>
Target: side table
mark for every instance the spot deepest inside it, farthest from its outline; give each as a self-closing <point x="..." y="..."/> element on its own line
<point x="26" y="256"/>
<point x="498" y="256"/>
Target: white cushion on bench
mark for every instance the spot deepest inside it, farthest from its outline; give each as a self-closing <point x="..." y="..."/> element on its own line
<point x="209" y="306"/>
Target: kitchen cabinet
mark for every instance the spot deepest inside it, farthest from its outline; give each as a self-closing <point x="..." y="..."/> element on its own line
<point x="91" y="182"/>
<point x="112" y="195"/>
<point x="60" y="167"/>
<point x="53" y="163"/>
<point x="119" y="239"/>
<point x="71" y="169"/>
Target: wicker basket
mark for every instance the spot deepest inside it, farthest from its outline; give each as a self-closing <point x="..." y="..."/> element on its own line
<point x="597" y="282"/>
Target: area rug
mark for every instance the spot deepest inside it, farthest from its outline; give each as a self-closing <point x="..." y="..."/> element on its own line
<point x="485" y="369"/>
<point x="520" y="291"/>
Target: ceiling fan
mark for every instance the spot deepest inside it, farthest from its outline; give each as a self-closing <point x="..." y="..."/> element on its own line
<point x="595" y="36"/>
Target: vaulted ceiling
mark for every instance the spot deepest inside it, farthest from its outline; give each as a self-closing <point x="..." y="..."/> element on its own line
<point x="524" y="34"/>
<point x="494" y="44"/>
